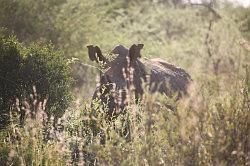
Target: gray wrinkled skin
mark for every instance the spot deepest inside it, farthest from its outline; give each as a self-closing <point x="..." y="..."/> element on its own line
<point x="167" y="78"/>
<point x="126" y="73"/>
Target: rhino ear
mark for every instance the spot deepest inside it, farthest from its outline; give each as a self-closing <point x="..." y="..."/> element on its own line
<point x="92" y="53"/>
<point x="95" y="54"/>
<point x="135" y="51"/>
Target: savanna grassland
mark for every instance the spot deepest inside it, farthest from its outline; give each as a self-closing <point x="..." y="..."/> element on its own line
<point x="47" y="80"/>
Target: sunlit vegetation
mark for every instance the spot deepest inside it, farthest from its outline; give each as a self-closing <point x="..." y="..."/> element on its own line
<point x="41" y="125"/>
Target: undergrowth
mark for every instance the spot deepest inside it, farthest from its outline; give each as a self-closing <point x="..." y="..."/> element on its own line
<point x="205" y="129"/>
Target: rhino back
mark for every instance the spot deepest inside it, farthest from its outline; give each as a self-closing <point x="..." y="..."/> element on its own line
<point x="167" y="78"/>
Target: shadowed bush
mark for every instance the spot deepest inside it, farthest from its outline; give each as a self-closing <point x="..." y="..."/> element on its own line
<point x="24" y="67"/>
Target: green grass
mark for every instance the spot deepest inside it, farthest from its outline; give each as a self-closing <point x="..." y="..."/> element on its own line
<point x="206" y="129"/>
<point x="211" y="126"/>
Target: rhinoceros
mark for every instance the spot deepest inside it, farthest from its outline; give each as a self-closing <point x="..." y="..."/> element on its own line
<point x="126" y="76"/>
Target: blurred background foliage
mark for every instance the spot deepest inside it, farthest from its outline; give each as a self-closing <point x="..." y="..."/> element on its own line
<point x="169" y="29"/>
<point x="194" y="36"/>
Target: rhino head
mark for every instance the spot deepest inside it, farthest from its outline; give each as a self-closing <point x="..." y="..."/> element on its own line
<point x="124" y="72"/>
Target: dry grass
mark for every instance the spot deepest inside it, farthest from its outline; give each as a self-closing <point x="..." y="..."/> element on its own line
<point x="206" y="129"/>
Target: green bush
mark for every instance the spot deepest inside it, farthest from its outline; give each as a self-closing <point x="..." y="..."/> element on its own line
<point x="35" y="66"/>
<point x="49" y="72"/>
<point x="11" y="62"/>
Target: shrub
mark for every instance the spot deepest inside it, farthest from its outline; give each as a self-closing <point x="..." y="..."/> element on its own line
<point x="37" y="65"/>
<point x="46" y="69"/>
<point x="11" y="62"/>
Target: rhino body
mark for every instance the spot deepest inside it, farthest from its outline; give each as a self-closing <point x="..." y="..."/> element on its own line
<point x="127" y="72"/>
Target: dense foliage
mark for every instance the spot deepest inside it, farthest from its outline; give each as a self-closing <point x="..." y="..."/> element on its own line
<point x="23" y="19"/>
<point x="23" y="68"/>
<point x="10" y="86"/>
<point x="211" y="41"/>
<point x="204" y="130"/>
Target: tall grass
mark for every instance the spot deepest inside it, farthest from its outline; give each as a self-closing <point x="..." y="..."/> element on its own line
<point x="209" y="127"/>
